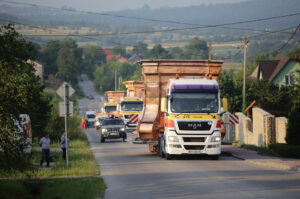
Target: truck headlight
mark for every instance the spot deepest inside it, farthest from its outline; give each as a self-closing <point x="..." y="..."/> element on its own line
<point x="173" y="139"/>
<point x="215" y="139"/>
<point x="122" y="129"/>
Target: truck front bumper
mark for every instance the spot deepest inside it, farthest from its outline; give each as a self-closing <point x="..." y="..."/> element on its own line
<point x="192" y="144"/>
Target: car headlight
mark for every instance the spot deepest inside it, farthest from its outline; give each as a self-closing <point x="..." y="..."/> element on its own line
<point x="104" y="130"/>
<point x="173" y="139"/>
<point x="122" y="129"/>
<point x="215" y="139"/>
<point x="97" y="123"/>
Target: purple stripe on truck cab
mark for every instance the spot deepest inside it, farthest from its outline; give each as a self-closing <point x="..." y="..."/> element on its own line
<point x="194" y="88"/>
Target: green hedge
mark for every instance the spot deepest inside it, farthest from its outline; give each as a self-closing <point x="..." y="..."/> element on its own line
<point x="285" y="150"/>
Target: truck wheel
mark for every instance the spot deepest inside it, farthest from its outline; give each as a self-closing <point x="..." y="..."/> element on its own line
<point x="102" y="140"/>
<point x="161" y="146"/>
<point x="214" y="157"/>
<point x="168" y="156"/>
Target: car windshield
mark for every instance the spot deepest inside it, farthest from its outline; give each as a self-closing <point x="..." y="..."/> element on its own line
<point x="132" y="106"/>
<point x="112" y="122"/>
<point x="194" y="103"/>
<point x="110" y="108"/>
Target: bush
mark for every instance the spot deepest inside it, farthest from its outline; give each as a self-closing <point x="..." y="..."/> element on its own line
<point x="293" y="126"/>
<point x="285" y="150"/>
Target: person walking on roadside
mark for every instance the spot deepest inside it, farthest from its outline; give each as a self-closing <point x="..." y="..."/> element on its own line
<point x="45" y="144"/>
<point x="64" y="143"/>
<point x="83" y="123"/>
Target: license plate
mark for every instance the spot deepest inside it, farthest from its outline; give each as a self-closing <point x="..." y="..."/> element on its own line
<point x="113" y="133"/>
<point x="195" y="151"/>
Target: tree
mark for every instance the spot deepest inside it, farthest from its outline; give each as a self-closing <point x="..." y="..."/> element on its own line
<point x="232" y="90"/>
<point x="20" y="92"/>
<point x="92" y="56"/>
<point x="158" y="52"/>
<point x="104" y="78"/>
<point x="293" y="135"/>
<point x="294" y="53"/>
<point x="141" y="49"/>
<point x="196" y="49"/>
<point x="49" y="57"/>
<point x="69" y="61"/>
<point x="119" y="50"/>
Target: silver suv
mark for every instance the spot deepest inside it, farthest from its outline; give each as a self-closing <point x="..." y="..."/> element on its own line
<point x="112" y="128"/>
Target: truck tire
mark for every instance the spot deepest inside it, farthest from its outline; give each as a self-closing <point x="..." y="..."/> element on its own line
<point x="168" y="156"/>
<point x="161" y="145"/>
<point x="214" y="157"/>
<point x="102" y="139"/>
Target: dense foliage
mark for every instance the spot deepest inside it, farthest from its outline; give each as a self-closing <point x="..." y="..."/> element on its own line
<point x="20" y="92"/>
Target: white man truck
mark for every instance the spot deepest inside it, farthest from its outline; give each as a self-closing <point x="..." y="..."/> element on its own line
<point x="192" y="118"/>
<point x="181" y="107"/>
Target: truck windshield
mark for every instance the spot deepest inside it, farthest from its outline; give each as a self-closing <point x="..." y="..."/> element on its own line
<point x="132" y="106"/>
<point x="112" y="122"/>
<point x="110" y="108"/>
<point x="90" y="116"/>
<point x="194" y="103"/>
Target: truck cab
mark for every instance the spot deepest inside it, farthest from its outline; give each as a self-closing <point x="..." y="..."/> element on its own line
<point x="109" y="107"/>
<point x="90" y="119"/>
<point x="130" y="111"/>
<point x="192" y="120"/>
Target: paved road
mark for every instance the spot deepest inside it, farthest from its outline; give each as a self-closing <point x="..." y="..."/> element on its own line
<point x="88" y="88"/>
<point x="131" y="171"/>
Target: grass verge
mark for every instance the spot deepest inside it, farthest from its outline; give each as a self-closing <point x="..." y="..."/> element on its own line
<point x="79" y="180"/>
<point x="73" y="188"/>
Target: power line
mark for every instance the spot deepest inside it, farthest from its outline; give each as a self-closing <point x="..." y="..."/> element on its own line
<point x="291" y="37"/>
<point x="159" y="20"/>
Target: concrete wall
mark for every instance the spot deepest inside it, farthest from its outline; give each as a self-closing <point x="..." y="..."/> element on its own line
<point x="263" y="129"/>
<point x="280" y="127"/>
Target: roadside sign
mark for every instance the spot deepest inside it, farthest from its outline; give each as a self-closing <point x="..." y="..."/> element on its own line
<point x="62" y="109"/>
<point x="233" y="119"/>
<point x="61" y="90"/>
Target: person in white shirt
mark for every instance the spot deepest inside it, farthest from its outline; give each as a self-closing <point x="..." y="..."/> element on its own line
<point x="45" y="144"/>
<point x="64" y="144"/>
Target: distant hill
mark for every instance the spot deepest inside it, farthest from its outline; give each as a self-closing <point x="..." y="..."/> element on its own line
<point x="202" y="14"/>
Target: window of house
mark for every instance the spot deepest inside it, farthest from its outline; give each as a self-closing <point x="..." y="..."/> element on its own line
<point x="289" y="80"/>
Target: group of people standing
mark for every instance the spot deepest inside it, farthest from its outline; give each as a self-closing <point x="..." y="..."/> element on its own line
<point x="45" y="144"/>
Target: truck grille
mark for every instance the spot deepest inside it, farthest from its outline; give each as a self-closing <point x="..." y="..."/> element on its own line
<point x="192" y="139"/>
<point x="194" y="126"/>
<point x="194" y="147"/>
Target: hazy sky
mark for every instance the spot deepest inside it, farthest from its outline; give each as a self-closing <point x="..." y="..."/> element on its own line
<point x="113" y="5"/>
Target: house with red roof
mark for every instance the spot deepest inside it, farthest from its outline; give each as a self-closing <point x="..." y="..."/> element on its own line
<point x="118" y="57"/>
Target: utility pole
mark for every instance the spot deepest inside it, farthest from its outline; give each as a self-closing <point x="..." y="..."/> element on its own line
<point x="244" y="76"/>
<point x="66" y="99"/>
<point x="115" y="80"/>
<point x="209" y="50"/>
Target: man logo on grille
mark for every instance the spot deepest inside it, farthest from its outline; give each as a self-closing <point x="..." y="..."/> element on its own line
<point x="194" y="126"/>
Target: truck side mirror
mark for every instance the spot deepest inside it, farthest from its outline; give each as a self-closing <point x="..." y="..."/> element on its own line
<point x="225" y="105"/>
<point x="163" y="105"/>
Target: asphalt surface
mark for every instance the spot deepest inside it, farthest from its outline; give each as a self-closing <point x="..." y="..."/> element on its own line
<point x="131" y="171"/>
